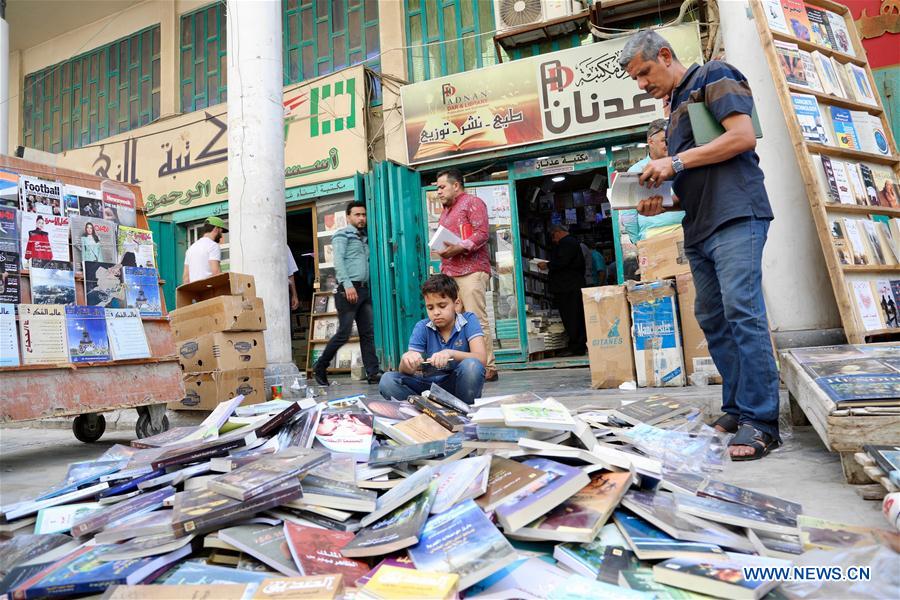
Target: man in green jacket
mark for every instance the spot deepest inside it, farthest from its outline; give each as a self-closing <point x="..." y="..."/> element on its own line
<point x="353" y="298"/>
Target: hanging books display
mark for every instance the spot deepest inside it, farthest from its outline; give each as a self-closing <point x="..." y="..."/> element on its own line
<point x="9" y="229"/>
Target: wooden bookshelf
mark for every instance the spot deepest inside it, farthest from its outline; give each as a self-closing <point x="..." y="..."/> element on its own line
<point x="312" y="342"/>
<point x="809" y="161"/>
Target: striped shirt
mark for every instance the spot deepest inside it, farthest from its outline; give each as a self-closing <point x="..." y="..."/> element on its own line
<point x="715" y="194"/>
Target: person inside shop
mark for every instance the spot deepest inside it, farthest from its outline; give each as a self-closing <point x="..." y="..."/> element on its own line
<point x="727" y="214"/>
<point x="204" y="258"/>
<point x="447" y="348"/>
<point x="292" y="285"/>
<point x="635" y="225"/>
<point x="566" y="270"/>
<point x="353" y="297"/>
<point x="469" y="262"/>
<point x="598" y="265"/>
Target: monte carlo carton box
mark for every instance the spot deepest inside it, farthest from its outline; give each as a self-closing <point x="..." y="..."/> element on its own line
<point x="608" y="323"/>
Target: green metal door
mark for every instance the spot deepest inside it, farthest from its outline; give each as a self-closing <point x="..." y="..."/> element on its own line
<point x="166" y="258"/>
<point x="397" y="259"/>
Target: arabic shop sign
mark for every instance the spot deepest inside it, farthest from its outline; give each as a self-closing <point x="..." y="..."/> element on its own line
<point x="183" y="162"/>
<point x="552" y="96"/>
<point x="561" y="163"/>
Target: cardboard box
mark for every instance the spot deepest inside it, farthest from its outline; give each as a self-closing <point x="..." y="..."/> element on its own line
<point x="222" y="351"/>
<point x="662" y="256"/>
<point x="608" y="323"/>
<point x="223" y="313"/>
<point x="696" y="350"/>
<point x="224" y="284"/>
<point x="657" y="339"/>
<point x="204" y="391"/>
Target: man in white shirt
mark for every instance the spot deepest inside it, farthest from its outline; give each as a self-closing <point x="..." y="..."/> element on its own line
<point x="203" y="258"/>
<point x="292" y="285"/>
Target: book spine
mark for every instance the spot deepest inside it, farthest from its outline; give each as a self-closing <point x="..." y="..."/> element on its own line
<point x="443" y="419"/>
<point x="278" y="421"/>
<point x="199" y="455"/>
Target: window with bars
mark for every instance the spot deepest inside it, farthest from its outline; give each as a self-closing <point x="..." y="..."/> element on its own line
<point x="323" y="36"/>
<point x="203" y="68"/>
<point x="98" y="94"/>
<point x="448" y="36"/>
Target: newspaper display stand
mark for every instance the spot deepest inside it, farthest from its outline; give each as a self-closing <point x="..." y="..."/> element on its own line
<point x="85" y="390"/>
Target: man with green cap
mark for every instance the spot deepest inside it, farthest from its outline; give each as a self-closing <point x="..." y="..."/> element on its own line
<point x="204" y="257"/>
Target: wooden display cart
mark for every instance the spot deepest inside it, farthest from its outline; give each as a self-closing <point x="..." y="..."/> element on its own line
<point x="822" y="205"/>
<point x="86" y="390"/>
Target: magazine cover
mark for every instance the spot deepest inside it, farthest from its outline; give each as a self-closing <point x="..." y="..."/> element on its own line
<point x="142" y="291"/>
<point x="52" y="282"/>
<point x="86" y="332"/>
<point x="43" y="237"/>
<point x="119" y="207"/>
<point x="125" y="331"/>
<point x="85" y="201"/>
<point x="9" y="229"/>
<point x="9" y="338"/>
<point x="103" y="284"/>
<point x="9" y="277"/>
<point x="135" y="247"/>
<point x="93" y="240"/>
<point x="41" y="196"/>
<point x="348" y="432"/>
<point x="9" y="189"/>
<point x="42" y="333"/>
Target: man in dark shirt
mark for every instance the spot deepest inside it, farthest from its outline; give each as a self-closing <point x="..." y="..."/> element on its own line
<point x="566" y="280"/>
<point x="720" y="188"/>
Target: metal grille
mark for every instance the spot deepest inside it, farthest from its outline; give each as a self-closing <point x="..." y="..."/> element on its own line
<point x="98" y="94"/>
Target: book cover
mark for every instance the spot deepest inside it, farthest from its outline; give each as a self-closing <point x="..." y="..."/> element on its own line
<point x="809" y="118"/>
<point x="103" y="284"/>
<point x="526" y="579"/>
<point x="86" y="333"/>
<point x="321" y="304"/>
<point x="866" y="306"/>
<point x="809" y="69"/>
<point x="842" y="181"/>
<point x="871" y="133"/>
<point x="886" y="186"/>
<point x="319" y="587"/>
<point x="840" y="34"/>
<point x="718" y="578"/>
<point x="843" y="78"/>
<point x="318" y="552"/>
<point x="819" y="26"/>
<point x="265" y="543"/>
<point x="324" y="328"/>
<point x="200" y="511"/>
<point x="857" y="242"/>
<point x="840" y="244"/>
<point x="507" y="477"/>
<point x="577" y="587"/>
<point x="859" y="83"/>
<point x="396" y="531"/>
<point x="93" y="240"/>
<point x="751" y="498"/>
<point x="868" y="181"/>
<point x="421" y="429"/>
<point x="9" y="337"/>
<point x="42" y="333"/>
<point x="99" y="519"/>
<point x="391" y="455"/>
<point x="392" y="410"/>
<point x="462" y="541"/>
<point x="399" y="583"/>
<point x="797" y="21"/>
<point x="548" y="414"/>
<point x="59" y="519"/>
<point x="616" y="560"/>
<point x="873" y="242"/>
<point x="142" y="291"/>
<point x="412" y="486"/>
<point x="251" y="480"/>
<point x="858" y="366"/>
<point x="844" y="130"/>
<point x="528" y="504"/>
<point x="886" y="457"/>
<point x="828" y="76"/>
<point x="339" y="495"/>
<point x="641" y="579"/>
<point x="791" y="63"/>
<point x="197" y="573"/>
<point x="9" y="229"/>
<point x="41" y="196"/>
<point x="456" y="478"/>
<point x="125" y="331"/>
<point x="775" y="16"/>
<point x="218" y="591"/>
<point x="447" y="418"/>
<point x="651" y="543"/>
<point x="10" y="288"/>
<point x="740" y="515"/>
<point x="135" y="247"/>
<point x="650" y="411"/>
<point x="43" y="238"/>
<point x="119" y="207"/>
<point x="346" y="432"/>
<point x="849" y="389"/>
<point x="775" y="545"/>
<point x="890" y="245"/>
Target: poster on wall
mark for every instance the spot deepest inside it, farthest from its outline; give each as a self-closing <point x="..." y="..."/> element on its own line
<point x="552" y="96"/>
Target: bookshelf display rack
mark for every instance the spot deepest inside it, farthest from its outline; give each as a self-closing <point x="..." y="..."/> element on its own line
<point x="808" y="156"/>
<point x="313" y="317"/>
<point x="85" y="390"/>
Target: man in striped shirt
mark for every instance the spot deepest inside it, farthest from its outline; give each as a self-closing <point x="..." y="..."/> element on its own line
<point x="727" y="214"/>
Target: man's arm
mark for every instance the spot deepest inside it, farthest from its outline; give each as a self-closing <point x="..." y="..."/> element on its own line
<point x="292" y="287"/>
<point x="339" y="245"/>
<point x="185" y="275"/>
<point x="215" y="267"/>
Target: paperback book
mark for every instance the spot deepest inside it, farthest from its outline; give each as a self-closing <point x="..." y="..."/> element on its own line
<point x="265" y="543"/>
<point x="346" y="432"/>
<point x="86" y="333"/>
<point x="562" y="482"/>
<point x="255" y="478"/>
<point x="819" y="27"/>
<point x="845" y="132"/>
<point x="142" y="291"/>
<point x="721" y="578"/>
<point x="840" y="34"/>
<point x="394" y="532"/>
<point x="797" y="21"/>
<point x="42" y="333"/>
<point x="739" y="515"/>
<point x="507" y="478"/>
<point x="461" y="480"/>
<point x="775" y="16"/>
<point x="651" y="543"/>
<point x="125" y="331"/>
<point x="318" y="551"/>
<point x="791" y="63"/>
<point x="810" y="119"/>
<point x="861" y="390"/>
<point x="93" y="240"/>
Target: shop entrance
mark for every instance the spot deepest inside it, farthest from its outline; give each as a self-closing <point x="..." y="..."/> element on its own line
<point x="300" y="241"/>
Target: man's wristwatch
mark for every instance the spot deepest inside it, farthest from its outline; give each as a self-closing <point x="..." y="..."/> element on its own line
<point x="677" y="165"/>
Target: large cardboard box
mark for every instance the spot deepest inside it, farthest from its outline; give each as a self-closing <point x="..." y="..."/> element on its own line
<point x="223" y="313"/>
<point x="608" y="323"/>
<point x="204" y="391"/>
<point x="657" y="340"/>
<point x="222" y="351"/>
<point x="696" y="350"/>
<point x="224" y="284"/>
<point x="662" y="256"/>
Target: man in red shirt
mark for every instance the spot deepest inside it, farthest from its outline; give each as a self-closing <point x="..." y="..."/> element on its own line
<point x="469" y="262"/>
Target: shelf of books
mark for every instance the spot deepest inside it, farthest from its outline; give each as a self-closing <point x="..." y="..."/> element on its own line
<point x="847" y="155"/>
<point x="79" y="294"/>
<point x="323" y="324"/>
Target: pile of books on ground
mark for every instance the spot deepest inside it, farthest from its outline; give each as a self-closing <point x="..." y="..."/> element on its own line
<point x="515" y="497"/>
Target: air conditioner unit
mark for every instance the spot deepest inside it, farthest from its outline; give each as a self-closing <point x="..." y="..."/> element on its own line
<point x="512" y="14"/>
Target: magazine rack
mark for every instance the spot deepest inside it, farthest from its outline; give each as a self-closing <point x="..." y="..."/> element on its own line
<point x="823" y="207"/>
<point x="318" y="343"/>
<point x="85" y="390"/>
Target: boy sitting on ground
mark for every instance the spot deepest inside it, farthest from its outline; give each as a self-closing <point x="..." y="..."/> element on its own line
<point x="446" y="349"/>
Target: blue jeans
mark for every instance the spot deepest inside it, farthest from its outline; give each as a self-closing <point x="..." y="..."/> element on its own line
<point x="727" y="270"/>
<point x="464" y="382"/>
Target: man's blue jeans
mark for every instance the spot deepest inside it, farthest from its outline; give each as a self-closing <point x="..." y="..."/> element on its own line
<point x="464" y="382"/>
<point x="727" y="270"/>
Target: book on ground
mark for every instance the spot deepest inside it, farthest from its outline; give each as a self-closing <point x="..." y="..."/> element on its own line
<point x="400" y="494"/>
<point x="319" y="552"/>
<point x="738" y="515"/>
<point x="651" y="543"/>
<point x="722" y="579"/>
<point x="339" y="495"/>
<point x="318" y="587"/>
<point x="506" y="478"/>
<point x="268" y="472"/>
<point x="346" y="432"/>
<point x="397" y="583"/>
<point x="531" y="502"/>
<point x="738" y="495"/>
<point x="461" y="480"/>
<point x="400" y="529"/>
<point x="547" y="415"/>
<point x="265" y="543"/>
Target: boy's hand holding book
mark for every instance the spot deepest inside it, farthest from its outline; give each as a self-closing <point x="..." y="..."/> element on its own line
<point x="410" y="362"/>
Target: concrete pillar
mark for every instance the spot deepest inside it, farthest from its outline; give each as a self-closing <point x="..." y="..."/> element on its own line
<point x="256" y="208"/>
<point x="392" y="34"/>
<point x="4" y="80"/>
